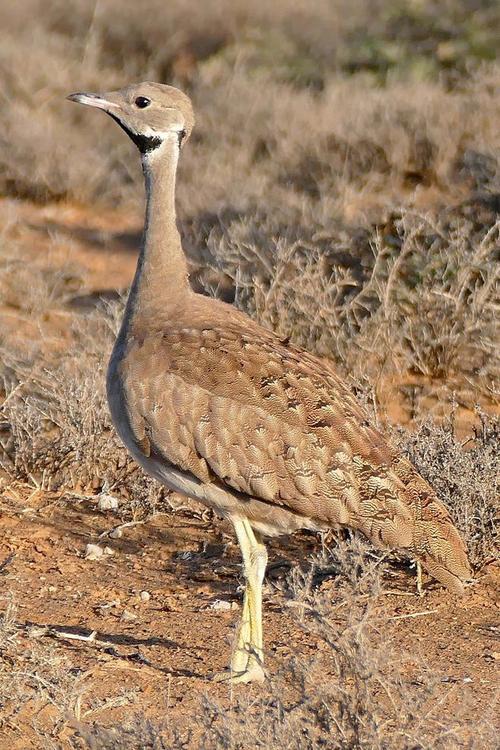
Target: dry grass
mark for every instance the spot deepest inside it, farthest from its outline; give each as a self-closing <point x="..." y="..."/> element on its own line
<point x="346" y="144"/>
<point x="343" y="187"/>
<point x="32" y="287"/>
<point x="416" y="295"/>
<point x="60" y="436"/>
<point x="379" y="167"/>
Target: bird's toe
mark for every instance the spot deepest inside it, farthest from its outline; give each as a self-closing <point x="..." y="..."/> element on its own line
<point x="254" y="673"/>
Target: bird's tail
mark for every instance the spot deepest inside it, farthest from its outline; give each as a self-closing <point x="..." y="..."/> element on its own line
<point x="435" y="539"/>
<point x="411" y="517"/>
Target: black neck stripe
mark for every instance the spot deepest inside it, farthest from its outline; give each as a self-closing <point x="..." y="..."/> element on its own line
<point x="145" y="143"/>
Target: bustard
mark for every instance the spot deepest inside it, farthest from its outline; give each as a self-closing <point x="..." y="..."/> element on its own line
<point x="215" y="406"/>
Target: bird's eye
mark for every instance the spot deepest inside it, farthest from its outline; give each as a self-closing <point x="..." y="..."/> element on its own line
<point x="142" y="102"/>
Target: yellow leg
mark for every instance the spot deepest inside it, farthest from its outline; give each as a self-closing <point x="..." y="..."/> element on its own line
<point x="246" y="664"/>
<point x="240" y="657"/>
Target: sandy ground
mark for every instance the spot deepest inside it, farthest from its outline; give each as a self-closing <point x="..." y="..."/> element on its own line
<point x="155" y="653"/>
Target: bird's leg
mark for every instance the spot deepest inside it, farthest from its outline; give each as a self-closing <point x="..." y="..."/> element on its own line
<point x="239" y="661"/>
<point x="246" y="665"/>
<point x="247" y="661"/>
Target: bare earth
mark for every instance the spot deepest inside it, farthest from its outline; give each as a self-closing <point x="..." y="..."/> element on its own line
<point x="156" y="656"/>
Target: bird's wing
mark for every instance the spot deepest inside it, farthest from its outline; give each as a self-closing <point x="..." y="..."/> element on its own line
<point x="277" y="424"/>
<point x="263" y="418"/>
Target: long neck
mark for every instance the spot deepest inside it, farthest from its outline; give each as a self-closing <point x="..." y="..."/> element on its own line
<point x="161" y="278"/>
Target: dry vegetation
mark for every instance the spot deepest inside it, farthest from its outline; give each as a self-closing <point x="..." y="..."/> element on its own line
<point x="365" y="703"/>
<point x="343" y="186"/>
<point x="378" y="167"/>
<point x="355" y="692"/>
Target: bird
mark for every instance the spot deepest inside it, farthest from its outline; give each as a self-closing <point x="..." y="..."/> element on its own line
<point x="217" y="407"/>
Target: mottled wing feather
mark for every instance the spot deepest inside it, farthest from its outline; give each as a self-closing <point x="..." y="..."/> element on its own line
<point x="277" y="424"/>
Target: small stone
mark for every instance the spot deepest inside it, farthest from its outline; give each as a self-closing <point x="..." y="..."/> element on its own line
<point x="128" y="616"/>
<point x="145" y="596"/>
<point x="93" y="552"/>
<point x="116" y="533"/>
<point x="52" y="589"/>
<point x="108" y="551"/>
<point x="107" y="502"/>
<point x="38" y="631"/>
<point x="101" y="608"/>
<point x="221" y="605"/>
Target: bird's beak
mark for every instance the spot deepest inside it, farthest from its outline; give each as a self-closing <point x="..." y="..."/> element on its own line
<point x="92" y="100"/>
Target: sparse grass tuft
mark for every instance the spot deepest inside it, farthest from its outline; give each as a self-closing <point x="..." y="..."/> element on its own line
<point x="60" y="434"/>
<point x="32" y="671"/>
<point x="413" y="295"/>
<point x="36" y="676"/>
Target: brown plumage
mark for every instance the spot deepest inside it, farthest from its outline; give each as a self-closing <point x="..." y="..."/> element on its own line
<point x="216" y="406"/>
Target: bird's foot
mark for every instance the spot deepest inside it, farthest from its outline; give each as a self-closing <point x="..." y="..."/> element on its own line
<point x="253" y="673"/>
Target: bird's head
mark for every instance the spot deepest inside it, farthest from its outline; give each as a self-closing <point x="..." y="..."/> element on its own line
<point x="150" y="113"/>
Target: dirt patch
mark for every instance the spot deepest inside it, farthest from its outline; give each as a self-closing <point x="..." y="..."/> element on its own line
<point x="143" y="628"/>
